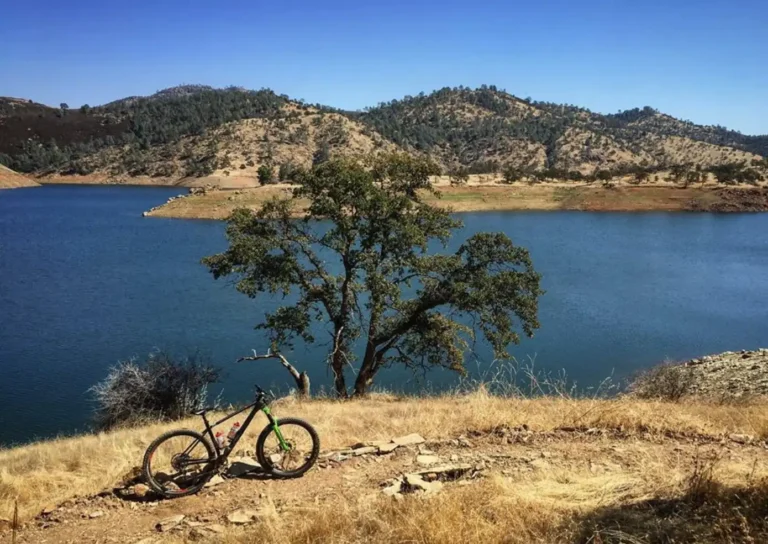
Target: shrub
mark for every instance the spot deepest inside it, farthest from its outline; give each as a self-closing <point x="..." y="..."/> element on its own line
<point x="156" y="388"/>
<point x="265" y="173"/>
<point x="668" y="381"/>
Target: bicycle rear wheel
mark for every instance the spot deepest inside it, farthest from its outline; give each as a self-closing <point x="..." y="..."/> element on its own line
<point x="302" y="443"/>
<point x="178" y="463"/>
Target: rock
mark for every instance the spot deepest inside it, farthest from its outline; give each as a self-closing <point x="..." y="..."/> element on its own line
<point x="169" y="523"/>
<point x="388" y="448"/>
<point x="243" y="516"/>
<point x="215" y="528"/>
<point x="741" y="438"/>
<point x="276" y="458"/>
<point x="365" y="450"/>
<point x="48" y="510"/>
<point x="416" y="482"/>
<point x="213" y="482"/>
<point x="409" y="440"/>
<point x="140" y="490"/>
<point x="96" y="514"/>
<point x="447" y="471"/>
<point x="393" y="489"/>
<point x="427" y="460"/>
<point x="454" y="458"/>
<point x="464" y="443"/>
<point x="425" y="451"/>
<point x="243" y="465"/>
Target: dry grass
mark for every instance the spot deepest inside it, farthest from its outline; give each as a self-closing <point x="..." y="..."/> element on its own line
<point x="50" y="472"/>
<point x="11" y="180"/>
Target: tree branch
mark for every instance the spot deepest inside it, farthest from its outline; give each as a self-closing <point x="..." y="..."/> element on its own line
<point x="301" y="378"/>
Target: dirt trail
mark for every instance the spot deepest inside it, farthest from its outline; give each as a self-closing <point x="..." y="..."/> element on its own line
<point x="583" y="457"/>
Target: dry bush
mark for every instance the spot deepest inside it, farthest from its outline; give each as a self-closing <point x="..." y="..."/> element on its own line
<point x="669" y="381"/>
<point x="159" y="388"/>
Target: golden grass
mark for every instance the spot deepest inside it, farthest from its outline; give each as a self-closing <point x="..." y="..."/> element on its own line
<point x="658" y="502"/>
<point x="50" y="472"/>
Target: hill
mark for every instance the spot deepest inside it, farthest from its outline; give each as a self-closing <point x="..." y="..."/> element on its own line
<point x="11" y="180"/>
<point x="195" y="131"/>
<point x="486" y="129"/>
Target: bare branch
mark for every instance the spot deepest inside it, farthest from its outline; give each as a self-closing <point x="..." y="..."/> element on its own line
<point x="301" y="378"/>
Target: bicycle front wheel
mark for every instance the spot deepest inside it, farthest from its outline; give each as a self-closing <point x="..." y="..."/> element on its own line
<point x="178" y="463"/>
<point x="294" y="454"/>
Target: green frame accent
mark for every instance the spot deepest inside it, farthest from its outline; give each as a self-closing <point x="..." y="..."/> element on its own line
<point x="283" y="444"/>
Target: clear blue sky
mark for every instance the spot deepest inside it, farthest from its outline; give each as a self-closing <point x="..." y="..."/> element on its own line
<point x="703" y="60"/>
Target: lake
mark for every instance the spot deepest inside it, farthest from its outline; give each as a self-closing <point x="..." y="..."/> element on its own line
<point x="85" y="281"/>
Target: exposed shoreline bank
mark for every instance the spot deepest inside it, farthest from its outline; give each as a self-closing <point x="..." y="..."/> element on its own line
<point x="218" y="204"/>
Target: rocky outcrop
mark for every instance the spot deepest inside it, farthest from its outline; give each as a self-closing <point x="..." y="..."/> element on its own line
<point x="732" y="373"/>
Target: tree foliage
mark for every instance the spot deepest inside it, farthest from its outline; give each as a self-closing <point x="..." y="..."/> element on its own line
<point x="367" y="274"/>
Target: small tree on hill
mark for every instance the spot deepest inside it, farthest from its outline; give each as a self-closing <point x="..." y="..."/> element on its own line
<point x="368" y="276"/>
<point x="265" y="173"/>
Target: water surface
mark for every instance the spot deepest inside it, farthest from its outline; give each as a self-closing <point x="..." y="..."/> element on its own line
<point x="85" y="281"/>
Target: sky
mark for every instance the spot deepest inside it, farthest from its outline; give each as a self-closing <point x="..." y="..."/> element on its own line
<point x="701" y="60"/>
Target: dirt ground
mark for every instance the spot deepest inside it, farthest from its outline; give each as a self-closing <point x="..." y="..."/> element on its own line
<point x="572" y="467"/>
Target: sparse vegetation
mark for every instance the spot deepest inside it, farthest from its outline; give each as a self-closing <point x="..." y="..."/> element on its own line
<point x="157" y="388"/>
<point x="669" y="382"/>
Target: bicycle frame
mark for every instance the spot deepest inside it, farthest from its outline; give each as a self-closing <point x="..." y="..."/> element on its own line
<point x="256" y="406"/>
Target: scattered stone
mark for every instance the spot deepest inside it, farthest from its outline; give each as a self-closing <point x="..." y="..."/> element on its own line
<point x="167" y="524"/>
<point x="464" y="443"/>
<point x="447" y="472"/>
<point x="741" y="438"/>
<point x="427" y="460"/>
<point x="425" y="451"/>
<point x="393" y="489"/>
<point x="96" y="514"/>
<point x="276" y="457"/>
<point x="409" y="440"/>
<point x="388" y="448"/>
<point x="215" y="528"/>
<point x="416" y="482"/>
<point x="140" y="490"/>
<point x="243" y="465"/>
<point x="48" y="510"/>
<point x="242" y="516"/>
<point x="365" y="450"/>
<point x="454" y="458"/>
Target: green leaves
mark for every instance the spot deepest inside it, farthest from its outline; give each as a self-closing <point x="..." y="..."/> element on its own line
<point x="358" y="261"/>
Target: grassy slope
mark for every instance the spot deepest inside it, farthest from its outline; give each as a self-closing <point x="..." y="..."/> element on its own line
<point x="11" y="180"/>
<point x="537" y="504"/>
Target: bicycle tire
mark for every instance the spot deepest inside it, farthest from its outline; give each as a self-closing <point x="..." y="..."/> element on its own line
<point x="203" y="477"/>
<point x="266" y="462"/>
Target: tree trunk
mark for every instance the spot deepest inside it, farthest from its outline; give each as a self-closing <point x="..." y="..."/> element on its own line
<point x="337" y="366"/>
<point x="367" y="371"/>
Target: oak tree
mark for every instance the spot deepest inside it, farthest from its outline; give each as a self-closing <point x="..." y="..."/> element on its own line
<point x="353" y="250"/>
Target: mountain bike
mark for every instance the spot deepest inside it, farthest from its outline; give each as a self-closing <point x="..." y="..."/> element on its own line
<point x="180" y="462"/>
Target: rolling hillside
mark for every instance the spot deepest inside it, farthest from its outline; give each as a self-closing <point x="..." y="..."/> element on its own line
<point x="11" y="180"/>
<point x="195" y="131"/>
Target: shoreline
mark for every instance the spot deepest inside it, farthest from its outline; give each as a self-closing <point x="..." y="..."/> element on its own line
<point x="218" y="204"/>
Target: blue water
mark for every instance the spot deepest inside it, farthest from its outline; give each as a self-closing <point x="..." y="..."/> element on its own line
<point x="85" y="281"/>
